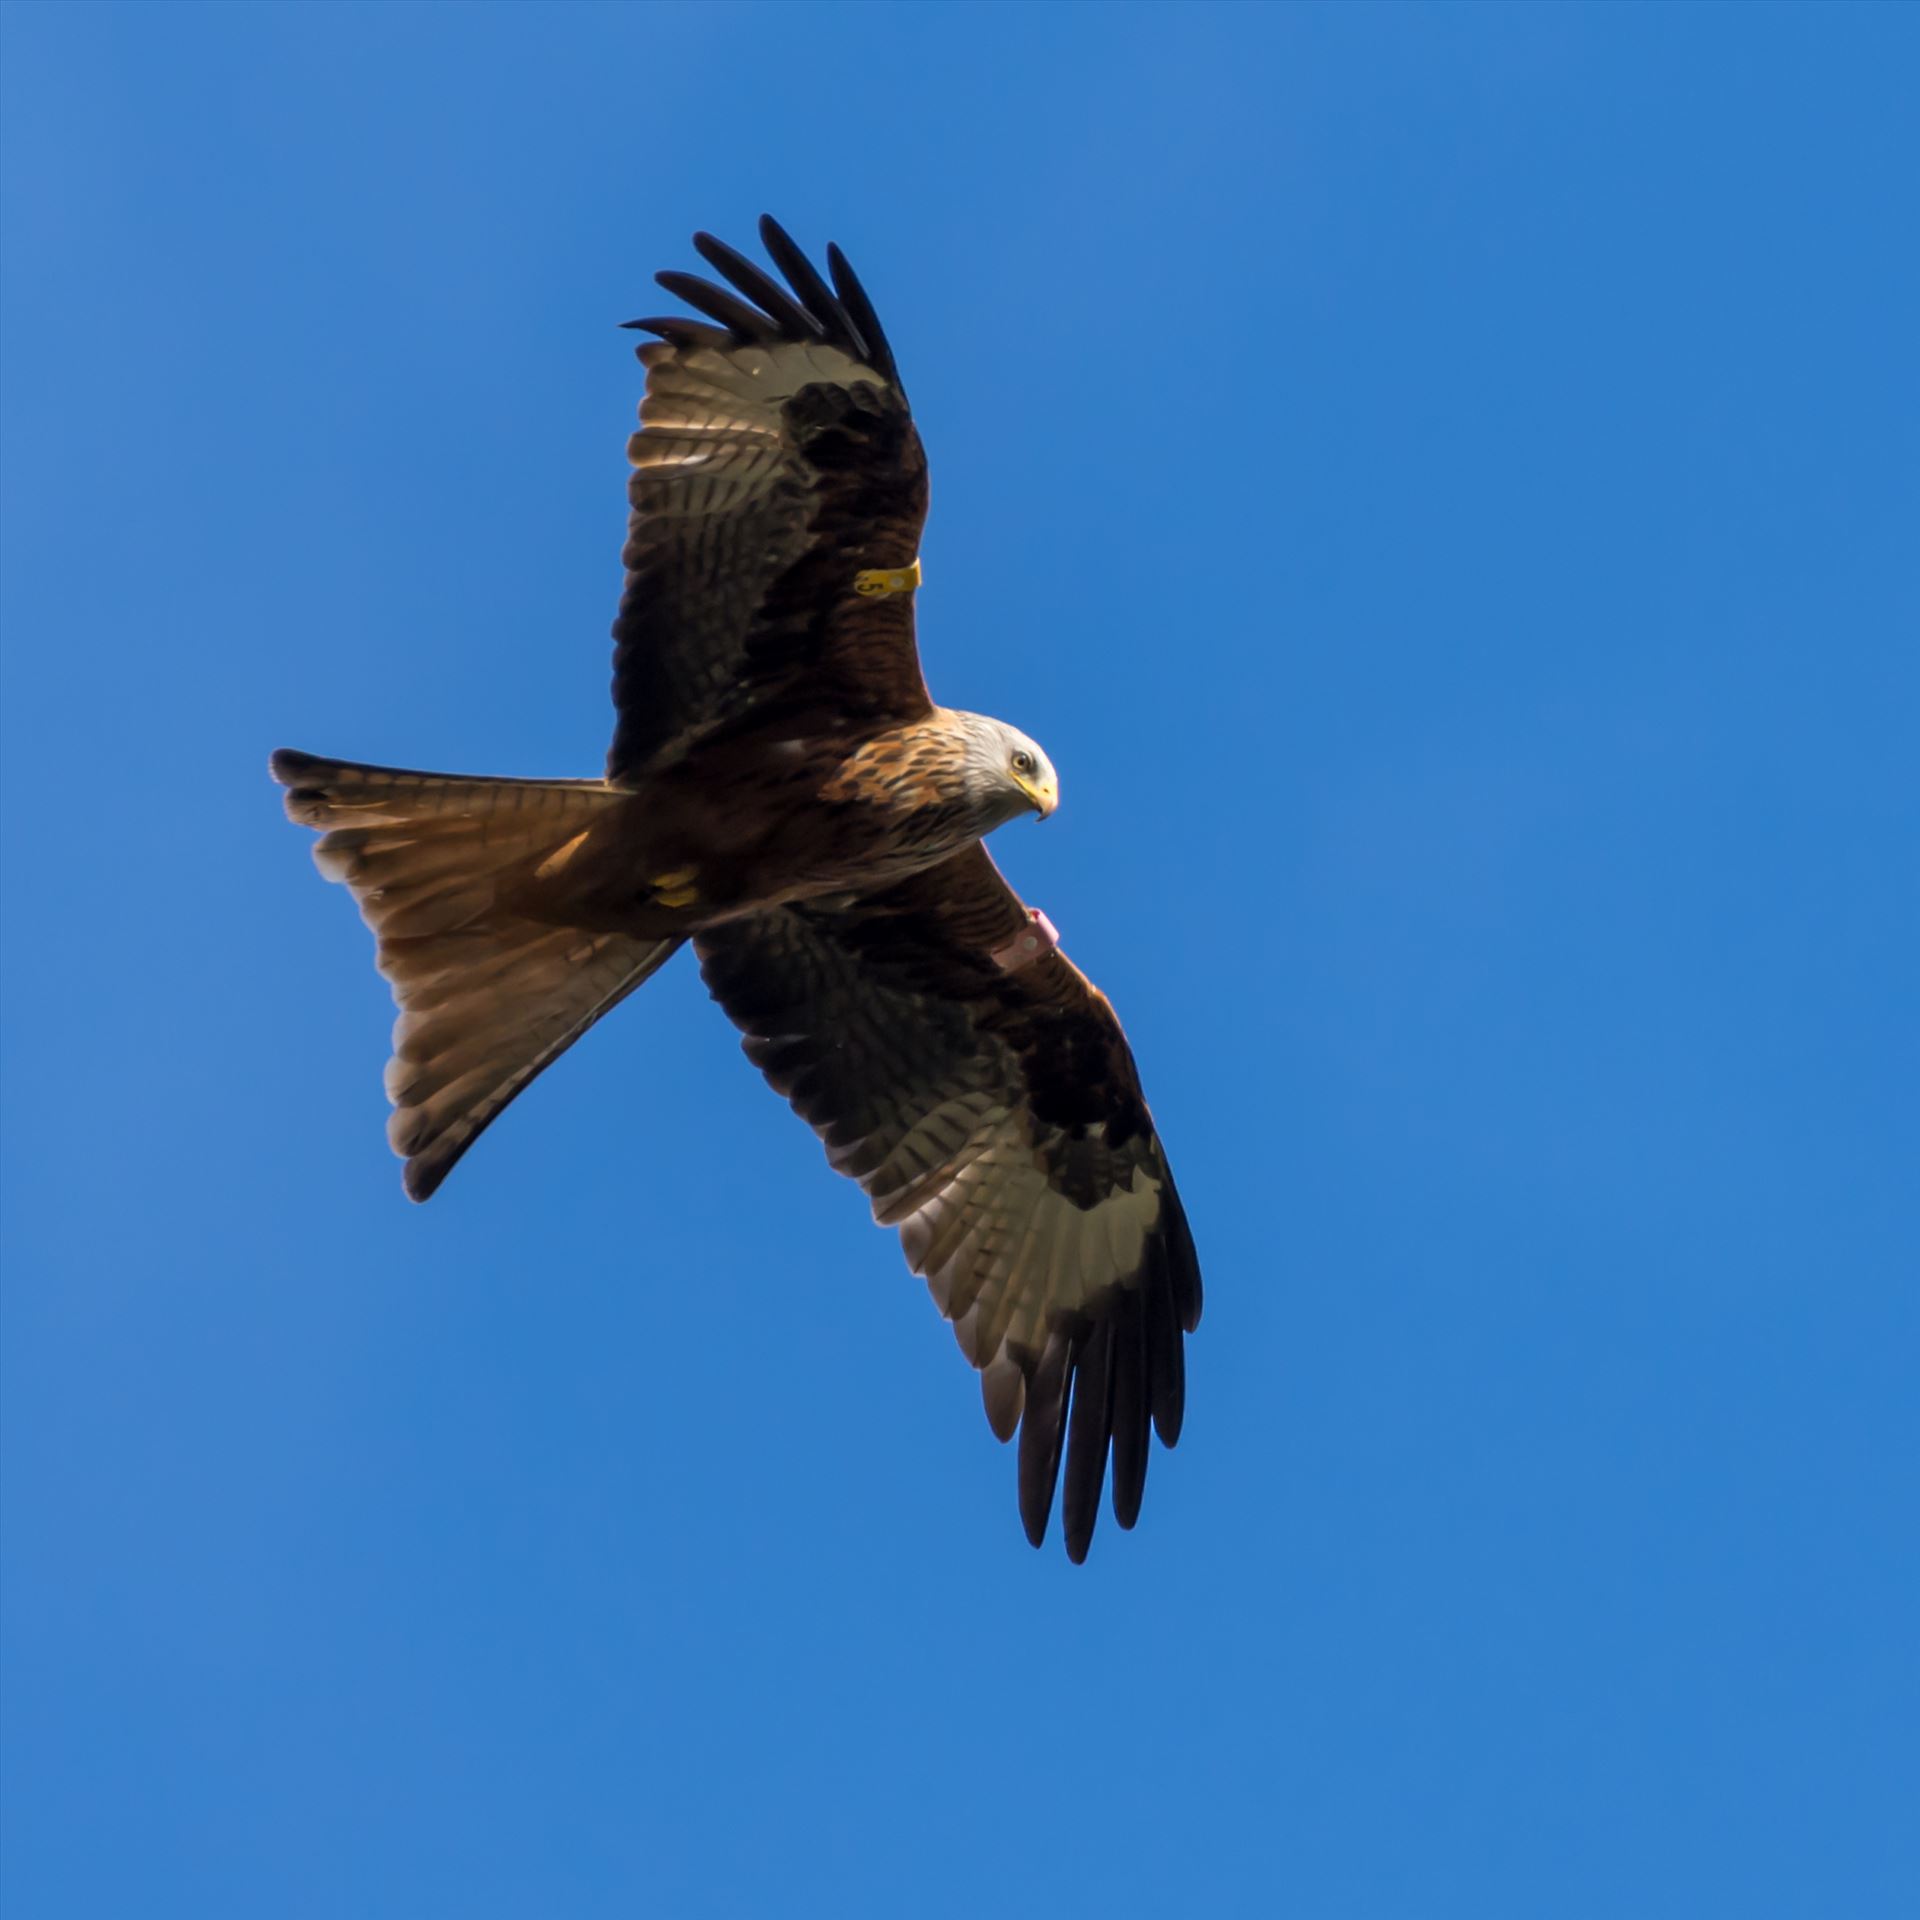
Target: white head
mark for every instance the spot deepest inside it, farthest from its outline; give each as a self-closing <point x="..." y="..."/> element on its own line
<point x="1007" y="773"/>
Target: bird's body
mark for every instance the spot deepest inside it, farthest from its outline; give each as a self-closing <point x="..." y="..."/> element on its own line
<point x="783" y="792"/>
<point x="809" y="816"/>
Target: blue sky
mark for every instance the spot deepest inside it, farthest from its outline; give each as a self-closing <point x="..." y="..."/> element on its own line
<point x="1443" y="485"/>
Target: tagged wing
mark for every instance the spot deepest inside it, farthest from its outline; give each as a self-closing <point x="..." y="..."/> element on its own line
<point x="776" y="460"/>
<point x="996" y="1119"/>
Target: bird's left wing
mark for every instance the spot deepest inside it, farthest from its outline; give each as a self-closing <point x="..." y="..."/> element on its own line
<point x="777" y="496"/>
<point x="979" y="1088"/>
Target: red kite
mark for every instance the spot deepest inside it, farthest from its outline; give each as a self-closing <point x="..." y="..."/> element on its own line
<point x="783" y="792"/>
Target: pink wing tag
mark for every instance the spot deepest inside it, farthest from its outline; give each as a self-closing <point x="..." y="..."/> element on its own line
<point x="1038" y="937"/>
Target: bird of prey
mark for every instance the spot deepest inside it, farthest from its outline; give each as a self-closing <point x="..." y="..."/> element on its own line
<point x="783" y="792"/>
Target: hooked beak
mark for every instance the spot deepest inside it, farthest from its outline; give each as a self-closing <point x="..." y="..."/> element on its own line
<point x="1044" y="794"/>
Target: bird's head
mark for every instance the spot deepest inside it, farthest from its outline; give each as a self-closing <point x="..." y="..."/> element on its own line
<point x="1008" y="773"/>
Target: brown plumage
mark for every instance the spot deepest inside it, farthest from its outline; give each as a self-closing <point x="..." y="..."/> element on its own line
<point x="783" y="791"/>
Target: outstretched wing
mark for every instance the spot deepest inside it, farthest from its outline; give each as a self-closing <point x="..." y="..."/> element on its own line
<point x="994" y="1116"/>
<point x="776" y="461"/>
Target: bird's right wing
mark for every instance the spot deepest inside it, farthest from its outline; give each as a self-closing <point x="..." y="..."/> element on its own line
<point x="982" y="1093"/>
<point x="776" y="463"/>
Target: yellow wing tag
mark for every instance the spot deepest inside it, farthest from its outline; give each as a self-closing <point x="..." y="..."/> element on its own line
<point x="878" y="580"/>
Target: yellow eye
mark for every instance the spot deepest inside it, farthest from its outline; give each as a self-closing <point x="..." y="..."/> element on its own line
<point x="1023" y="761"/>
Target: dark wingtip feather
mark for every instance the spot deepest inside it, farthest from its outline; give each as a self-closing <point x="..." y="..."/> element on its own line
<point x="853" y="296"/>
<point x="1167" y="1365"/>
<point x="717" y="303"/>
<point x="761" y="310"/>
<point x="804" y="277"/>
<point x="759" y="286"/>
<point x="1040" y="1435"/>
<point x="1089" y="1428"/>
<point x="679" y="331"/>
<point x="1132" y="1421"/>
<point x="1182" y="1259"/>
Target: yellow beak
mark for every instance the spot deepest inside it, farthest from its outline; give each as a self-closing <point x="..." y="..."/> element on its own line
<point x="1044" y="794"/>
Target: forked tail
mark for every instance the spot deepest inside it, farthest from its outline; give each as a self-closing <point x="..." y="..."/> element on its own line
<point x="443" y="867"/>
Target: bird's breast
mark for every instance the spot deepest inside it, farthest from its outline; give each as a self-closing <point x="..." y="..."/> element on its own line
<point x="777" y="821"/>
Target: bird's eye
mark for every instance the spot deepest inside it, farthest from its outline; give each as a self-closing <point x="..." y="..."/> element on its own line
<point x="1023" y="761"/>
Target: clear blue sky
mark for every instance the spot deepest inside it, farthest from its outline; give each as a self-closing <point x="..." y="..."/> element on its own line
<point x="1443" y="484"/>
